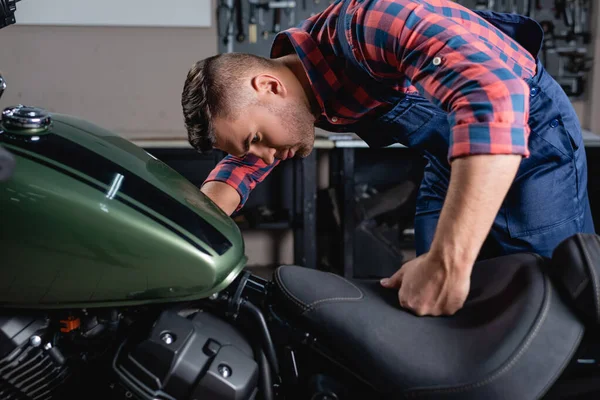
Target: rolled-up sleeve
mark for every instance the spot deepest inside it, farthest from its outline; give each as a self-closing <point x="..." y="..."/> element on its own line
<point x="242" y="174"/>
<point x="487" y="102"/>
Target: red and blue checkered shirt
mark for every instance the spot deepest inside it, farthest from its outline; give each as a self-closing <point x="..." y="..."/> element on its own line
<point x="478" y="74"/>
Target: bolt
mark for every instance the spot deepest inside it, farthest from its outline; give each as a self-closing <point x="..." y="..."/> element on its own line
<point x="224" y="370"/>
<point x="167" y="338"/>
<point x="214" y="296"/>
<point x="47" y="346"/>
<point x="35" y="341"/>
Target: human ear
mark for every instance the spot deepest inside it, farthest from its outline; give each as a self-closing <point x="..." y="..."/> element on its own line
<point x="268" y="84"/>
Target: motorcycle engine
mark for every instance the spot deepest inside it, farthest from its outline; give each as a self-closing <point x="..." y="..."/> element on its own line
<point x="30" y="367"/>
<point x="162" y="355"/>
<point x="198" y="357"/>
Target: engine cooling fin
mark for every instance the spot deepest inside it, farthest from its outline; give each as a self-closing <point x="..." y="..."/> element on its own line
<point x="30" y="367"/>
<point x="30" y="373"/>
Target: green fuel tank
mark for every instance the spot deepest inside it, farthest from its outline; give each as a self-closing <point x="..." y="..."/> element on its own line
<point x="88" y="219"/>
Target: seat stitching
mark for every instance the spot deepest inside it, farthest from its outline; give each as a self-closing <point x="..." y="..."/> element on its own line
<point x="314" y="305"/>
<point x="339" y="298"/>
<point x="513" y="361"/>
<point x="579" y="287"/>
<point x="590" y="267"/>
<point x="567" y="360"/>
<point x="288" y="294"/>
<point x="333" y="300"/>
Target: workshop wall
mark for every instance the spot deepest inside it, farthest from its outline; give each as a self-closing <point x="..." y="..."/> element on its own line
<point x="126" y="79"/>
<point x="130" y="79"/>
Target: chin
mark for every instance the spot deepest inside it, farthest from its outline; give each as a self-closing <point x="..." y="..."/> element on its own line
<point x="304" y="152"/>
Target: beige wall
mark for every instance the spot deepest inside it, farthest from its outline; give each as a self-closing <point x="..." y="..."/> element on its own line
<point x="130" y="79"/>
<point x="125" y="79"/>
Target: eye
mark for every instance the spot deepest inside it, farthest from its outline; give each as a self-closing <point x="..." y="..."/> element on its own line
<point x="255" y="139"/>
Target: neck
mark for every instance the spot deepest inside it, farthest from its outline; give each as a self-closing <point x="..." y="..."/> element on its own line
<point x="294" y="65"/>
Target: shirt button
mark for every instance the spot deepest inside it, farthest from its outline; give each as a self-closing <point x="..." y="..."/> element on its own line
<point x="554" y="123"/>
<point x="334" y="119"/>
<point x="534" y="92"/>
<point x="437" y="61"/>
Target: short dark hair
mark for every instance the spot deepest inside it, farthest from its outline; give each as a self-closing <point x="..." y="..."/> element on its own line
<point x="211" y="89"/>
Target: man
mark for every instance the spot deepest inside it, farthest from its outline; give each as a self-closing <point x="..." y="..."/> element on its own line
<point x="506" y="165"/>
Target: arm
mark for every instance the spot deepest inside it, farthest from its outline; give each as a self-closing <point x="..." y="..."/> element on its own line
<point x="488" y="110"/>
<point x="487" y="105"/>
<point x="477" y="188"/>
<point x="229" y="184"/>
<point x="223" y="195"/>
<point x="438" y="282"/>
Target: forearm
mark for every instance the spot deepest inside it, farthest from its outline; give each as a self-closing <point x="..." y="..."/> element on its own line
<point x="229" y="184"/>
<point x="478" y="186"/>
<point x="223" y="195"/>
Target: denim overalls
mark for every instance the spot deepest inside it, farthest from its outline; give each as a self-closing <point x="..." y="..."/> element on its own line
<point x="548" y="200"/>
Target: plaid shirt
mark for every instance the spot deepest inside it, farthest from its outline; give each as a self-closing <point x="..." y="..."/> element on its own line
<point x="436" y="48"/>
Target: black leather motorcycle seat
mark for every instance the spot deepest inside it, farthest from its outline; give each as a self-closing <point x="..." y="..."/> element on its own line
<point x="511" y="340"/>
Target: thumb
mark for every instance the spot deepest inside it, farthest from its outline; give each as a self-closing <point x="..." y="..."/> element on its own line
<point x="395" y="281"/>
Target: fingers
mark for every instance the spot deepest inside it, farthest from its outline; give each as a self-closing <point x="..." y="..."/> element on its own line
<point x="412" y="303"/>
<point x="393" y="282"/>
<point x="421" y="307"/>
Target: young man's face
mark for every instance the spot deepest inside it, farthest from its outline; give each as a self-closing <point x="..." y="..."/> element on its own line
<point x="278" y="126"/>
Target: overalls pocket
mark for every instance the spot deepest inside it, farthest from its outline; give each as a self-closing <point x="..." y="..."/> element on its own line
<point x="401" y="124"/>
<point x="405" y="115"/>
<point x="544" y="194"/>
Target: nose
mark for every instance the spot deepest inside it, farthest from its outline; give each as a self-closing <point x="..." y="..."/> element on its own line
<point x="265" y="153"/>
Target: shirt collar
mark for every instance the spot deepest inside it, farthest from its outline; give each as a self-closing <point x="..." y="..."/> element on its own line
<point x="323" y="80"/>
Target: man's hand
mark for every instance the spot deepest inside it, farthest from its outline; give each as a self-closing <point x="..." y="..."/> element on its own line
<point x="429" y="287"/>
<point x="438" y="282"/>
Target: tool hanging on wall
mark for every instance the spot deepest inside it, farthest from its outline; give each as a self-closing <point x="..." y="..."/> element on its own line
<point x="549" y="40"/>
<point x="585" y="25"/>
<point x="276" y="20"/>
<point x="261" y="21"/>
<point x="257" y="7"/>
<point x="527" y="8"/>
<point x="225" y="16"/>
<point x="290" y="13"/>
<point x="482" y="5"/>
<point x="289" y="8"/>
<point x="530" y="9"/>
<point x="240" y="36"/>
<point x="252" y="27"/>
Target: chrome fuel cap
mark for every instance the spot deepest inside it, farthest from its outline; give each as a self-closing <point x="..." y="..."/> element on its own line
<point x="25" y="120"/>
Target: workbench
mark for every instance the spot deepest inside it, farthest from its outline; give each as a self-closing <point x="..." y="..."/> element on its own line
<point x="342" y="149"/>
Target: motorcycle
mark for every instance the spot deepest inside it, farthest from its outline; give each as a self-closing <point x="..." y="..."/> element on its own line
<point x="119" y="279"/>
